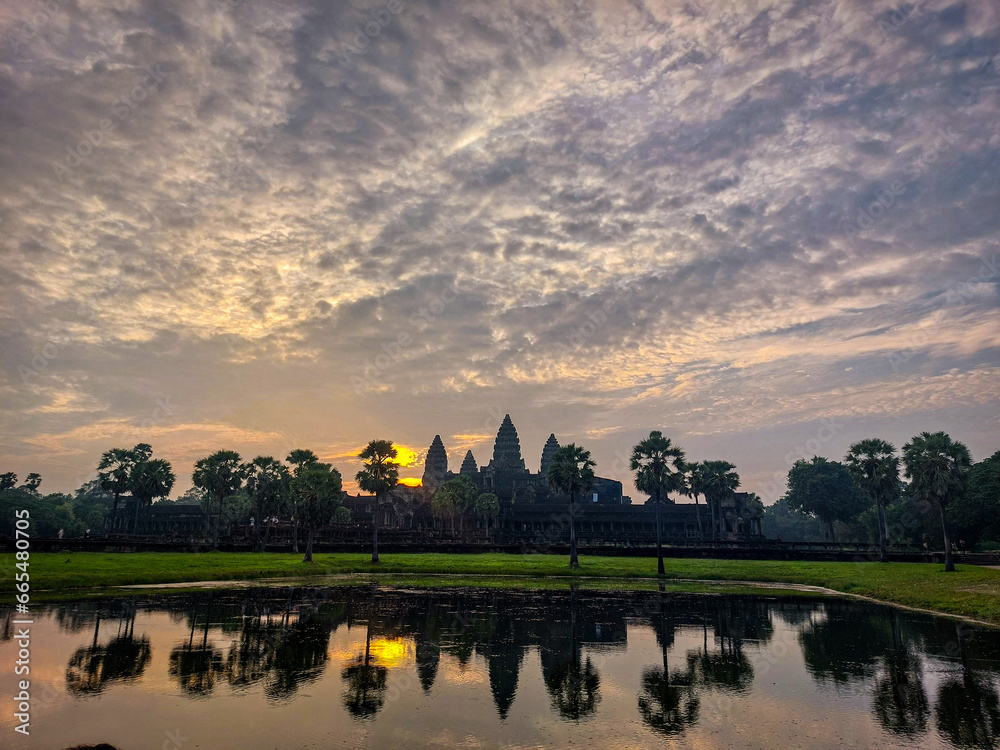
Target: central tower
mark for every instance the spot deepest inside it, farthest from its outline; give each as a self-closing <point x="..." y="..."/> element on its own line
<point x="507" y="449"/>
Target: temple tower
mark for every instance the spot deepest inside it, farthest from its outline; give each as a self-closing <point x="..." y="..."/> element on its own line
<point x="469" y="467"/>
<point x="435" y="465"/>
<point x="551" y="446"/>
<point x="507" y="449"/>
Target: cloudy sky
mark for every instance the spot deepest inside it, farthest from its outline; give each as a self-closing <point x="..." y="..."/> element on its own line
<point x="764" y="228"/>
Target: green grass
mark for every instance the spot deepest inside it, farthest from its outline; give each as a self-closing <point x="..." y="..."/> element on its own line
<point x="970" y="591"/>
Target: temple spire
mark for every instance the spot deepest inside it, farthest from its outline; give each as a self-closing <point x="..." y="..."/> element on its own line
<point x="551" y="446"/>
<point x="435" y="465"/>
<point x="469" y="464"/>
<point x="507" y="448"/>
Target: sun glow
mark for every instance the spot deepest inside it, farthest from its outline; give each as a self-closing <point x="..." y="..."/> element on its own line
<point x="410" y="481"/>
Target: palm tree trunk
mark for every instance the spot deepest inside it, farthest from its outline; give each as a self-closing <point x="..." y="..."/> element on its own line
<point x="659" y="541"/>
<point x="375" y="532"/>
<point x="697" y="513"/>
<point x="883" y="533"/>
<point x="114" y="514"/>
<point x="256" y="530"/>
<point x="218" y="523"/>
<point x="949" y="564"/>
<point x="574" y="562"/>
<point x="295" y="536"/>
<point x="135" y="521"/>
<point x="711" y="507"/>
<point x="309" y="547"/>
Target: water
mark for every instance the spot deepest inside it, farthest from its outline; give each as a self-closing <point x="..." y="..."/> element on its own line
<point x="369" y="667"/>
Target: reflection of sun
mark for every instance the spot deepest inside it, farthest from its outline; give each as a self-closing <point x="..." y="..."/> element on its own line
<point x="410" y="481"/>
<point x="388" y="652"/>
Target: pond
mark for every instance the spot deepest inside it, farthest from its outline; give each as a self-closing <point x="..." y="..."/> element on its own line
<point x="377" y="667"/>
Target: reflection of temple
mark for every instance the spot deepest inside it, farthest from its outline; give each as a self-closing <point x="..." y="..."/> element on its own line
<point x="532" y="512"/>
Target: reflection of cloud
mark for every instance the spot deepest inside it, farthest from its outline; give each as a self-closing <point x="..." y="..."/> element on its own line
<point x="634" y="217"/>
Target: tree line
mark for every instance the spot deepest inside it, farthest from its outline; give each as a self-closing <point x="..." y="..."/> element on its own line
<point x="940" y="493"/>
<point x="863" y="496"/>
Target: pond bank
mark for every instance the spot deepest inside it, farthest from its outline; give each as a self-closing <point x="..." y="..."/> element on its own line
<point x="970" y="592"/>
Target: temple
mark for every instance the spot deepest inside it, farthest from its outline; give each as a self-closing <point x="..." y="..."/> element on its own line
<point x="532" y="512"/>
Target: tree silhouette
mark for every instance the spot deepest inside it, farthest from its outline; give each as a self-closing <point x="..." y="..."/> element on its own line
<point x="366" y="682"/>
<point x="874" y="467"/>
<point x="267" y="481"/>
<point x="318" y="489"/>
<point x="659" y="470"/>
<point x="937" y="468"/>
<point x="718" y="481"/>
<point x="379" y="475"/>
<point x="220" y="475"/>
<point x="571" y="471"/>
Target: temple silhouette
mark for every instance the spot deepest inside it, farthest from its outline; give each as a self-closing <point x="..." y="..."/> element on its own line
<point x="532" y="512"/>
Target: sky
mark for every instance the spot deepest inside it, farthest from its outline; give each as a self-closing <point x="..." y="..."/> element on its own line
<point x="767" y="229"/>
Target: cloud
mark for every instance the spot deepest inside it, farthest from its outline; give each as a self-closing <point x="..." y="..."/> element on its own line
<point x="602" y="218"/>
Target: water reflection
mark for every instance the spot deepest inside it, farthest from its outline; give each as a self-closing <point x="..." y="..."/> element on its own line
<point x="196" y="666"/>
<point x="967" y="707"/>
<point x="672" y="665"/>
<point x="124" y="657"/>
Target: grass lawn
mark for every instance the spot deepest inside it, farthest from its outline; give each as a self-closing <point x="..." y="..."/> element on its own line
<point x="970" y="591"/>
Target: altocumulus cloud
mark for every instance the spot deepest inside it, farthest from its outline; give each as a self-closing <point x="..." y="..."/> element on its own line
<point x="604" y="219"/>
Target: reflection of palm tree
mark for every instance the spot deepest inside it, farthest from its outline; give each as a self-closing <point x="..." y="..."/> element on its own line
<point x="668" y="702"/>
<point x="301" y="655"/>
<point x="92" y="667"/>
<point x="366" y="683"/>
<point x="573" y="684"/>
<point x="196" y="666"/>
<point x="968" y="710"/>
<point x="900" y="703"/>
<point x="252" y="657"/>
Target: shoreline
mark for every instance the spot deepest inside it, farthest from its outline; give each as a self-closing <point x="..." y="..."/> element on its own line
<point x="971" y="593"/>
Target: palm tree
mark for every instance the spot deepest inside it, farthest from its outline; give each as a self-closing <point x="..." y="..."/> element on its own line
<point x="380" y="475"/>
<point x="659" y="470"/>
<point x="8" y="481"/>
<point x="300" y="458"/>
<point x="318" y="487"/>
<point x="572" y="471"/>
<point x="694" y="485"/>
<point x="487" y="507"/>
<point x="718" y="482"/>
<point x="220" y="476"/>
<point x="113" y="476"/>
<point x="149" y="479"/>
<point x="267" y="482"/>
<point x="874" y="467"/>
<point x="937" y="467"/>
